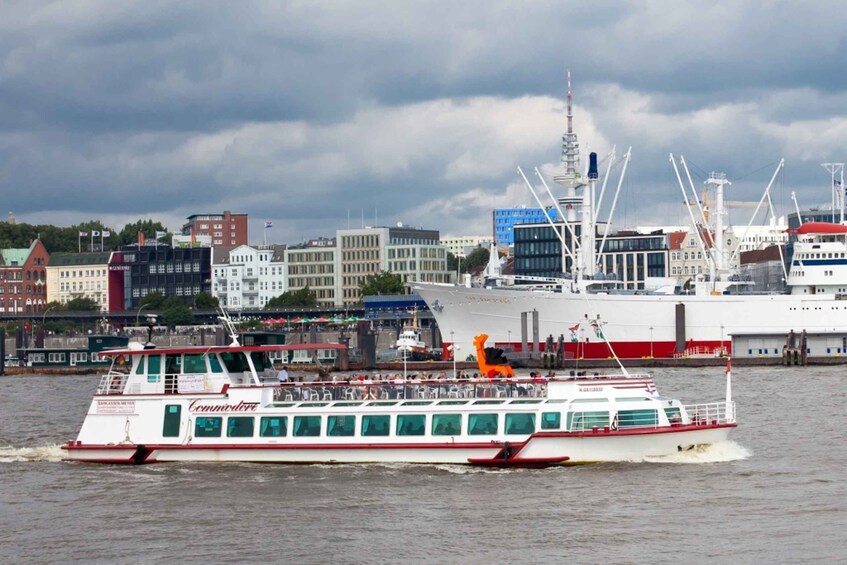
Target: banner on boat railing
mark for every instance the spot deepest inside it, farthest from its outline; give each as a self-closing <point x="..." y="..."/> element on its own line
<point x="191" y="383"/>
<point x="115" y="407"/>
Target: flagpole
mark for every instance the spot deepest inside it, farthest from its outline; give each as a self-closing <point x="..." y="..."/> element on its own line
<point x="79" y="241"/>
<point x="92" y="241"/>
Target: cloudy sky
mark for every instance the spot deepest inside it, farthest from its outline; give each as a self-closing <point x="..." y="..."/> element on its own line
<point x="321" y="115"/>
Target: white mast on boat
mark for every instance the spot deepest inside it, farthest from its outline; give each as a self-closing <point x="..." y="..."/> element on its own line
<point x="571" y="180"/>
<point x="718" y="246"/>
<point x="837" y="189"/>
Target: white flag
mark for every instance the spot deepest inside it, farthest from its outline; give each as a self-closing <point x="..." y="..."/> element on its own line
<point x="160" y="234"/>
<point x="94" y="233"/>
<point x="107" y="233"/>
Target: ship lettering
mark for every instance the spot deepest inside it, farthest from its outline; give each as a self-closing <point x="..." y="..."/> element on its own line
<point x="242" y="406"/>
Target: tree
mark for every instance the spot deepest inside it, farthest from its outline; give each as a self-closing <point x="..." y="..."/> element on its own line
<point x="452" y="262"/>
<point x="129" y="234"/>
<point x="383" y="283"/>
<point x="303" y="298"/>
<point x="82" y="304"/>
<point x="475" y="260"/>
<point x="152" y="301"/>
<point x="175" y="313"/>
<point x="205" y="301"/>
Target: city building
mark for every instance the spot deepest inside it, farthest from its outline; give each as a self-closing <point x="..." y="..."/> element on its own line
<point x="414" y="254"/>
<point x="461" y="246"/>
<point x="505" y="220"/>
<point x="226" y="229"/>
<point x="23" y="278"/>
<point x="79" y="275"/>
<point x="246" y="276"/>
<point x="629" y="257"/>
<point x="183" y="272"/>
<point x="314" y="264"/>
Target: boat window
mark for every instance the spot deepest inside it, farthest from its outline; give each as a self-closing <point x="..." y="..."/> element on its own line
<point x="172" y="364"/>
<point x="347" y="404"/>
<point x="482" y="424"/>
<point x="215" y="364"/>
<point x="417" y="403"/>
<point x="556" y="401"/>
<point x="452" y="402"/>
<point x="194" y="364"/>
<point x="389" y="403"/>
<point x="636" y="418"/>
<point x="313" y="404"/>
<point x="375" y="425"/>
<point x="239" y="426"/>
<point x="446" y="424"/>
<point x="673" y="415"/>
<point x="411" y="424"/>
<point x="170" y="428"/>
<point x="489" y="402"/>
<point x="634" y="399"/>
<point x="154" y="368"/>
<point x="139" y="369"/>
<point x="273" y="426"/>
<point x="234" y="361"/>
<point x="587" y="420"/>
<point x="283" y="404"/>
<point x="520" y="423"/>
<point x="525" y="402"/>
<point x="341" y="425"/>
<point x="586" y="400"/>
<point x="307" y="426"/>
<point x="206" y="426"/>
<point x="551" y="420"/>
<point x="261" y="361"/>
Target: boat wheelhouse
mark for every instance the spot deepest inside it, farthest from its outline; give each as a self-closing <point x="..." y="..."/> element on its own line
<point x="224" y="404"/>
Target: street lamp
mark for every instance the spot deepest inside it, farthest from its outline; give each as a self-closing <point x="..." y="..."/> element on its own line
<point x="138" y="314"/>
<point x="44" y="315"/>
<point x="453" y="349"/>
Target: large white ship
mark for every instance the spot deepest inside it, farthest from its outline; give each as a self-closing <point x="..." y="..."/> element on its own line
<point x="581" y="305"/>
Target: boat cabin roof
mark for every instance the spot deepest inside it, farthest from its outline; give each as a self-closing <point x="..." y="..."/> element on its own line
<point x="206" y="349"/>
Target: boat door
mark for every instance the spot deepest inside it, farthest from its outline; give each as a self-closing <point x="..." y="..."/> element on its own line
<point x="73" y="359"/>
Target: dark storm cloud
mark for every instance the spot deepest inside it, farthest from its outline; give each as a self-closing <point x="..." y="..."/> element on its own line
<point x="301" y="111"/>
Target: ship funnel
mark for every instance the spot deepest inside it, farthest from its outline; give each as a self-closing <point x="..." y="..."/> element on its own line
<point x="592" y="166"/>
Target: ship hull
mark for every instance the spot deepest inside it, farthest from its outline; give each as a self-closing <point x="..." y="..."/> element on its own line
<point x="632" y="326"/>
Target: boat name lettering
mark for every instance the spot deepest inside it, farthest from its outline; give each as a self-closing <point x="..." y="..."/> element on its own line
<point x="242" y="406"/>
<point x="590" y="389"/>
<point x="115" y="406"/>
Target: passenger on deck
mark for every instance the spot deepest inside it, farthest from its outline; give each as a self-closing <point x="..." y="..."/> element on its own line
<point x="283" y="375"/>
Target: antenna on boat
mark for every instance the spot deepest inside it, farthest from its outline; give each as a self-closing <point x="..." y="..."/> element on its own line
<point x="229" y="327"/>
<point x="729" y="415"/>
<point x="597" y="324"/>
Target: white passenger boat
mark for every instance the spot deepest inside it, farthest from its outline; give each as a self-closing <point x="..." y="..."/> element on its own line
<point x="212" y="404"/>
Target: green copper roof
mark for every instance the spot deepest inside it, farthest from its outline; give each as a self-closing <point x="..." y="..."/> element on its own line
<point x="70" y="259"/>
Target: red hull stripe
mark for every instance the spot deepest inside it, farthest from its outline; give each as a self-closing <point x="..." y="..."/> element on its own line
<point x="289" y="446"/>
<point x="602" y="432"/>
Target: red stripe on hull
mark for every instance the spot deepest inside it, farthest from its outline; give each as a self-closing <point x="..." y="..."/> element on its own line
<point x="629" y="349"/>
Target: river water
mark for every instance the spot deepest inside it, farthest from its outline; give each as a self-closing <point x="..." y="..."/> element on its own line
<point x="774" y="494"/>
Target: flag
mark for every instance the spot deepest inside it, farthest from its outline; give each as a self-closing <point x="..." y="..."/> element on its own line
<point x="573" y="330"/>
<point x="94" y="233"/>
<point x="83" y="234"/>
<point x="161" y="234"/>
<point x="269" y="224"/>
<point x="728" y="364"/>
<point x="140" y="237"/>
<point x="107" y="233"/>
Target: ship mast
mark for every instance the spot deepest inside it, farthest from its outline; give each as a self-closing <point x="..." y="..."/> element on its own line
<point x="571" y="180"/>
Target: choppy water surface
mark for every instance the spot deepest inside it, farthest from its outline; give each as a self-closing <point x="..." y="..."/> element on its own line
<point x="774" y="494"/>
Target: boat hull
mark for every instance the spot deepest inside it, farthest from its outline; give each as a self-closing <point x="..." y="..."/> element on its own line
<point x="633" y="326"/>
<point x="539" y="449"/>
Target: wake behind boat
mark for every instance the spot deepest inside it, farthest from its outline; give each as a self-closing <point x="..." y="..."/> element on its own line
<point x="212" y="404"/>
